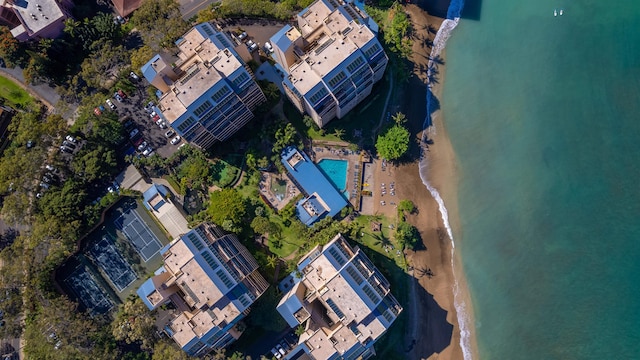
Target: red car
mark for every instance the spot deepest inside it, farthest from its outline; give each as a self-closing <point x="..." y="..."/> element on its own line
<point x="122" y="94"/>
<point x="97" y="111"/>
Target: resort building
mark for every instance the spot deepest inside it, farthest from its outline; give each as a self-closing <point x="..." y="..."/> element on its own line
<point x="331" y="60"/>
<point x="209" y="93"/>
<point x="321" y="198"/>
<point x="35" y="19"/>
<point x="211" y="280"/>
<point x="341" y="300"/>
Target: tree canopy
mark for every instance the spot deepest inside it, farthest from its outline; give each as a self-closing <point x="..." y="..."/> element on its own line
<point x="394" y="143"/>
<point x="159" y="23"/>
<point x="227" y="205"/>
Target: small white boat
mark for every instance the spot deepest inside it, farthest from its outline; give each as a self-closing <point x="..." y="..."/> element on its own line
<point x="555" y="12"/>
<point x="561" y="12"/>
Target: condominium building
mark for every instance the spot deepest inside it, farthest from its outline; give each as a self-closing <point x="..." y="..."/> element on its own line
<point x="35" y="19"/>
<point x="211" y="280"/>
<point x="209" y="93"/>
<point x="341" y="300"/>
<point x="331" y="60"/>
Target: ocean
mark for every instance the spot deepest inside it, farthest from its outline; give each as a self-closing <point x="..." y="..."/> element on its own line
<point x="543" y="113"/>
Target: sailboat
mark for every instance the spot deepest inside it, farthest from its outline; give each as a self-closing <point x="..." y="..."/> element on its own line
<point x="555" y="12"/>
<point x="561" y="12"/>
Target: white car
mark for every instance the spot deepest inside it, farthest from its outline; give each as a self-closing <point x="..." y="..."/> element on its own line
<point x="268" y="47"/>
<point x="71" y="139"/>
<point x="111" y="104"/>
<point x="169" y="133"/>
<point x="142" y="146"/>
<point x="148" y="151"/>
<point x="176" y="140"/>
<point x="134" y="76"/>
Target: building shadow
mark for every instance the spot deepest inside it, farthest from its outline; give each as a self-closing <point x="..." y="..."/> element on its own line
<point x="472" y="10"/>
<point x="450" y="9"/>
<point x="425" y="332"/>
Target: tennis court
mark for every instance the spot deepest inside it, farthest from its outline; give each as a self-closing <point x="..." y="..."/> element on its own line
<point x="113" y="264"/>
<point x="138" y="233"/>
<point x="87" y="290"/>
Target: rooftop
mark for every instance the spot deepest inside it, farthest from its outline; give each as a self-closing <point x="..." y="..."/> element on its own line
<point x="333" y="31"/>
<point x="202" y="63"/>
<point x="323" y="199"/>
<point x="342" y="299"/>
<point x="37" y="15"/>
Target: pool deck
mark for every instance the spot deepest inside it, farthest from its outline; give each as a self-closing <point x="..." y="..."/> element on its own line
<point x="356" y="164"/>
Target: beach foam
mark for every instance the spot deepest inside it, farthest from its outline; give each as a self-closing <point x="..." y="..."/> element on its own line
<point x="440" y="41"/>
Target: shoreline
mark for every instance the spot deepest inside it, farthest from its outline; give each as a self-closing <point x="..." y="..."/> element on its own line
<point x="438" y="169"/>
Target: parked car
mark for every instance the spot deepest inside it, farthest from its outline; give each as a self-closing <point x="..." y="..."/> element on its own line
<point x="134" y="76"/>
<point x="281" y="350"/>
<point x="162" y="124"/>
<point x="49" y="167"/>
<point x="138" y="142"/>
<point x="148" y="151"/>
<point x="68" y="144"/>
<point x="133" y="133"/>
<point x="142" y="146"/>
<point x="122" y="94"/>
<point x="112" y="106"/>
<point x="30" y="144"/>
<point x="169" y="133"/>
<point x="242" y="36"/>
<point x="176" y="140"/>
<point x="276" y="353"/>
<point x="66" y="149"/>
<point x="71" y="139"/>
<point x="97" y="111"/>
<point x="117" y="97"/>
<point x="268" y="47"/>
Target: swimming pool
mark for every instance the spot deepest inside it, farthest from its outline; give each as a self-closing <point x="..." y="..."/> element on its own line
<point x="336" y="172"/>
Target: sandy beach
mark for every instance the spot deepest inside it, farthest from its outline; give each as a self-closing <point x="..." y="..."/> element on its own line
<point x="433" y="330"/>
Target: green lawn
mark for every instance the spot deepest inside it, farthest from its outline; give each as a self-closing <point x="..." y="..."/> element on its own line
<point x="14" y="94"/>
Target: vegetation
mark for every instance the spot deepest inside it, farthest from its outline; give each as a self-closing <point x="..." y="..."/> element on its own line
<point x="279" y="10"/>
<point x="393" y="143"/>
<point x="227" y="208"/>
<point x="159" y="22"/>
<point x="13" y="94"/>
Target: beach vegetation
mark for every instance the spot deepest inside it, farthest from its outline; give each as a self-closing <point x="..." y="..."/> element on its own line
<point x="394" y="143"/>
<point x="406" y="235"/>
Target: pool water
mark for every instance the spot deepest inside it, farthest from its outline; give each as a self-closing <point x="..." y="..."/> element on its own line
<point x="336" y="172"/>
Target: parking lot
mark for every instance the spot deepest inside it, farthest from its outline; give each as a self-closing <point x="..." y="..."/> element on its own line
<point x="133" y="108"/>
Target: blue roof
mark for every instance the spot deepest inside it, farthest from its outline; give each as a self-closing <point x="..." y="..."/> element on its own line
<point x="322" y="198"/>
<point x="144" y="290"/>
<point x="147" y="69"/>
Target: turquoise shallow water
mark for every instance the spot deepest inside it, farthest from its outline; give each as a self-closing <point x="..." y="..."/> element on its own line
<point x="544" y="116"/>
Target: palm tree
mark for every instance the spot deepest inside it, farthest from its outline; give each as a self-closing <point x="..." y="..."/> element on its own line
<point x="399" y="118"/>
<point x="339" y="133"/>
<point x="272" y="261"/>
